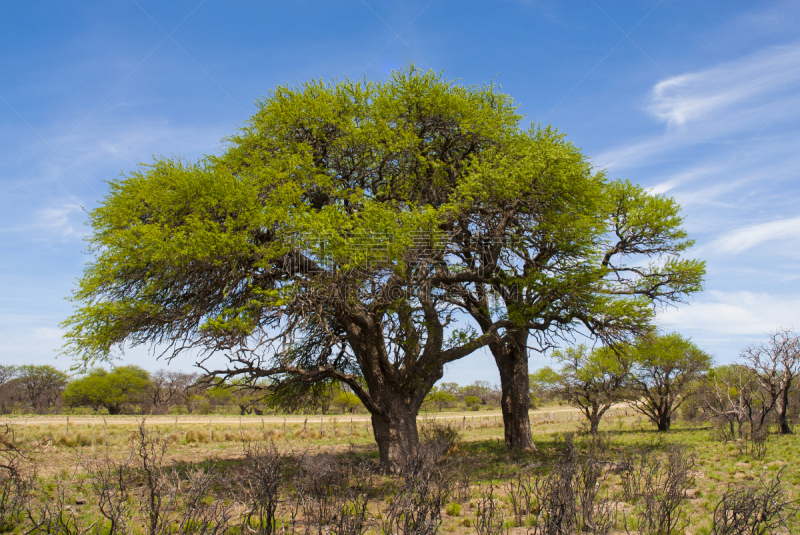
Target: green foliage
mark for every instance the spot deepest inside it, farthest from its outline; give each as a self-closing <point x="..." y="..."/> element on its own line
<point x="440" y="397"/>
<point x="472" y="401"/>
<point x="109" y="389"/>
<point x="666" y="372"/>
<point x="453" y="509"/>
<point x="591" y="380"/>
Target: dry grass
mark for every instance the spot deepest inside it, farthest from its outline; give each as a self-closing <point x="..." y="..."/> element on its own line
<point x="222" y="443"/>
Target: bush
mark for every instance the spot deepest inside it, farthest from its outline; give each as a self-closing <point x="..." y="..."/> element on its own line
<point x="753" y="509"/>
<point x="453" y="509"/>
<point x="472" y="401"/>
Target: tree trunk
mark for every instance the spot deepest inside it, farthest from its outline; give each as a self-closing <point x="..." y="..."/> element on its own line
<point x="512" y="363"/>
<point x="664" y="423"/>
<point x="781" y="409"/>
<point x="396" y="435"/>
<point x="594" y="424"/>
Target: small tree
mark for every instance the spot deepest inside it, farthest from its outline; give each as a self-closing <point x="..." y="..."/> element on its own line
<point x="727" y="395"/>
<point x="440" y="397"/>
<point x="591" y="380"/>
<point x="775" y="365"/>
<point x="40" y="385"/>
<point x="166" y="389"/>
<point x="665" y="371"/>
<point x="482" y="390"/>
<point x="112" y="390"/>
<point x="7" y="374"/>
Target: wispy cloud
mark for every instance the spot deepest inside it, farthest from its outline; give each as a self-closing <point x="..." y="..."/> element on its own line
<point x="734" y="314"/>
<point x="61" y="220"/>
<point x="693" y="96"/>
<point x="715" y="104"/>
<point x="740" y="240"/>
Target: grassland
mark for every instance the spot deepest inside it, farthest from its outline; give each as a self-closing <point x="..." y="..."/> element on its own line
<point x="219" y="443"/>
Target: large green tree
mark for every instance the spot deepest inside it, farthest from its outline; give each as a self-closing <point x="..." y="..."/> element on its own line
<point x="343" y="234"/>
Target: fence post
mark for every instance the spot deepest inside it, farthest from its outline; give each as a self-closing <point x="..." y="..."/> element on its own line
<point x="210" y="430"/>
<point x="464" y="424"/>
<point x="176" y="426"/>
<point x="67" y="433"/>
<point x="105" y="424"/>
<point x="304" y="424"/>
<point x="284" y="425"/>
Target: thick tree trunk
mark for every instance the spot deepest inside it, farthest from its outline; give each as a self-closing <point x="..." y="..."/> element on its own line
<point x="664" y="423"/>
<point x="396" y="435"/>
<point x="512" y="363"/>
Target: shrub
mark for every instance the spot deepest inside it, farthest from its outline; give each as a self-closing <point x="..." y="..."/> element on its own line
<point x="753" y="509"/>
<point x="453" y="509"/>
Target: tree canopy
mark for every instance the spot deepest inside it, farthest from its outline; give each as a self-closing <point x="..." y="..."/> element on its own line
<point x="592" y="380"/>
<point x="111" y="390"/>
<point x="344" y="231"/>
<point x="665" y="373"/>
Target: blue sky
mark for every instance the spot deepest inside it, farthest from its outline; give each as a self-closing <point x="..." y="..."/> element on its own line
<point x="699" y="100"/>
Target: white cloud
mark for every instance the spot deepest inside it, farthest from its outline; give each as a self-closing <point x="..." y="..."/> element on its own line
<point x="716" y="105"/>
<point x="740" y="240"/>
<point x="692" y="96"/>
<point x="663" y="187"/>
<point x="734" y="314"/>
<point x="62" y="220"/>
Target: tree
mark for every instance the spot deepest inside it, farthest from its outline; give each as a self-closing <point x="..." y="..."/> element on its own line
<point x="666" y="369"/>
<point x="480" y="389"/>
<point x="167" y="388"/>
<point x="345" y="401"/>
<point x="7" y="374"/>
<point x="40" y="385"/>
<point x="113" y="390"/>
<point x="342" y="234"/>
<point x="440" y="397"/>
<point x="776" y="365"/>
<point x="591" y="380"/>
<point x="733" y="395"/>
<point x="615" y="252"/>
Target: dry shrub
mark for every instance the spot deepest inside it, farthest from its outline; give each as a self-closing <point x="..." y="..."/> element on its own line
<point x="258" y="487"/>
<point x="52" y="513"/>
<point x="16" y="482"/>
<point x="110" y="482"/>
<point x="489" y="519"/>
<point x="520" y="490"/>
<point x="569" y="499"/>
<point x="755" y="510"/>
<point x="439" y="439"/>
<point x="428" y="483"/>
<point x="333" y="494"/>
<point x="659" y="484"/>
<point x="168" y="501"/>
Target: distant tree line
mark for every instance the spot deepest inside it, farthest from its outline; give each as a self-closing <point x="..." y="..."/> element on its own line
<point x="660" y="374"/>
<point x="131" y="389"/>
